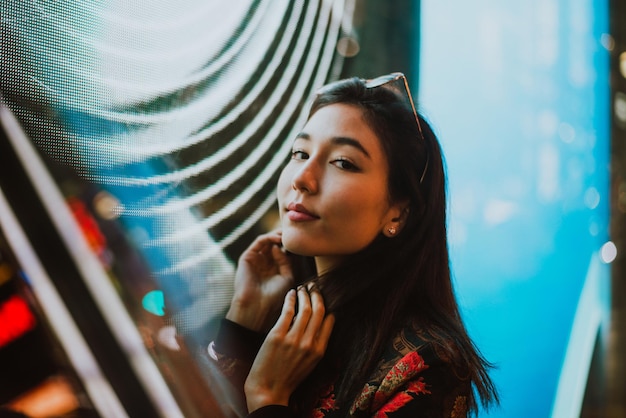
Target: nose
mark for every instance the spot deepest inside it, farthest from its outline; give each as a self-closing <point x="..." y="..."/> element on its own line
<point x="305" y="178"/>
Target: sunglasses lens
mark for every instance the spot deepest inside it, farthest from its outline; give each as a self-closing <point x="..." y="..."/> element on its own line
<point x="383" y="79"/>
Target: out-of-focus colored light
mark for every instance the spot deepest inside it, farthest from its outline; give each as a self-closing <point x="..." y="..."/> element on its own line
<point x="592" y="198"/>
<point x="621" y="197"/>
<point x="620" y="107"/>
<point x="567" y="132"/>
<point x="88" y="225"/>
<point x="167" y="337"/>
<point x="348" y="46"/>
<point x="107" y="206"/>
<point x="6" y="272"/>
<point x="549" y="163"/>
<point x="594" y="229"/>
<point x="16" y="319"/>
<point x="608" y="252"/>
<point x="607" y="41"/>
<point x="499" y="211"/>
<point x="54" y="397"/>
<point x="154" y="302"/>
<point x="622" y="63"/>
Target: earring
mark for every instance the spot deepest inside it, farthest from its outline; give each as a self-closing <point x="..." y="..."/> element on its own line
<point x="392" y="230"/>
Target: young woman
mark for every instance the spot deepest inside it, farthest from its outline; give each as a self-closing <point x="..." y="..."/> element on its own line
<point x="349" y="309"/>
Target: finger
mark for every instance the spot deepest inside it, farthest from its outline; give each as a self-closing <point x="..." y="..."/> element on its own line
<point x="304" y="312"/>
<point x="287" y="313"/>
<point x="282" y="261"/>
<point x="264" y="241"/>
<point x="318" y="311"/>
<point x="260" y="250"/>
<point x="325" y="332"/>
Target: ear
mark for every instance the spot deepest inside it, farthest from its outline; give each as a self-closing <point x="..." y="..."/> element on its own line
<point x="396" y="218"/>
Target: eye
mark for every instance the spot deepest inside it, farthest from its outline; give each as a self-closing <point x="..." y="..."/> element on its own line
<point x="299" y="155"/>
<point x="345" y="164"/>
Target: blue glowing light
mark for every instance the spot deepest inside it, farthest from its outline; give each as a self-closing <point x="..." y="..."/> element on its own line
<point x="154" y="302"/>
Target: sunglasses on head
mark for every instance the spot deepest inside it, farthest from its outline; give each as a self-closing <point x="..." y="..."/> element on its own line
<point x="398" y="82"/>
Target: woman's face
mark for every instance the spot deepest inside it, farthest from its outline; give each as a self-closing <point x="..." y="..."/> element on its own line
<point x="332" y="195"/>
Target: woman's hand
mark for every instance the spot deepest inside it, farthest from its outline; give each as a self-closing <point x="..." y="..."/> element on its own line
<point x="290" y="351"/>
<point x="263" y="277"/>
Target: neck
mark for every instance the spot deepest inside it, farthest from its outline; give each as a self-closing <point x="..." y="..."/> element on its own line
<point x="324" y="264"/>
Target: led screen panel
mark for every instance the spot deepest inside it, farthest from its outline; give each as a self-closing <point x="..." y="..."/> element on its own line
<point x="519" y="94"/>
<point x="154" y="135"/>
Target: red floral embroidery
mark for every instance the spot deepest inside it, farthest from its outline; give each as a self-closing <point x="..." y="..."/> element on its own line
<point x="413" y="361"/>
<point x="402" y="372"/>
<point x="413" y="389"/>
<point x="406" y="368"/>
<point x="394" y="404"/>
<point x="364" y="400"/>
<point x="328" y="403"/>
<point x="318" y="413"/>
<point x="417" y="387"/>
<point x="325" y="404"/>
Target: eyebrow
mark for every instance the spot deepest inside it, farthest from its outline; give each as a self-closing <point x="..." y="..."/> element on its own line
<point x="340" y="140"/>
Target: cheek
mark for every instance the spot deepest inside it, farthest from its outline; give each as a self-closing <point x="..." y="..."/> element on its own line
<point x="365" y="207"/>
<point x="284" y="185"/>
<point x="370" y="195"/>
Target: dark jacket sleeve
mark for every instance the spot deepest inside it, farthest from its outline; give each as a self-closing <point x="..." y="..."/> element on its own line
<point x="234" y="350"/>
<point x="272" y="411"/>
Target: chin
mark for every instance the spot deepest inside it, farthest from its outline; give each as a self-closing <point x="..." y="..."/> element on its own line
<point x="295" y="243"/>
<point x="295" y="248"/>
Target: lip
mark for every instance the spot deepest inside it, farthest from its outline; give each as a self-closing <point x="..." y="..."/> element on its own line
<point x="297" y="212"/>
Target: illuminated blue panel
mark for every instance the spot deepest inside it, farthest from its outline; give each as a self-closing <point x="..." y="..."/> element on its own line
<point x="518" y="93"/>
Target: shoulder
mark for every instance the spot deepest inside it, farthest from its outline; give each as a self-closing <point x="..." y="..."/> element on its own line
<point x="415" y="374"/>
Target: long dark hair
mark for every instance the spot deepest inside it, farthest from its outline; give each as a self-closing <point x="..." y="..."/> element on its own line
<point x="375" y="292"/>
